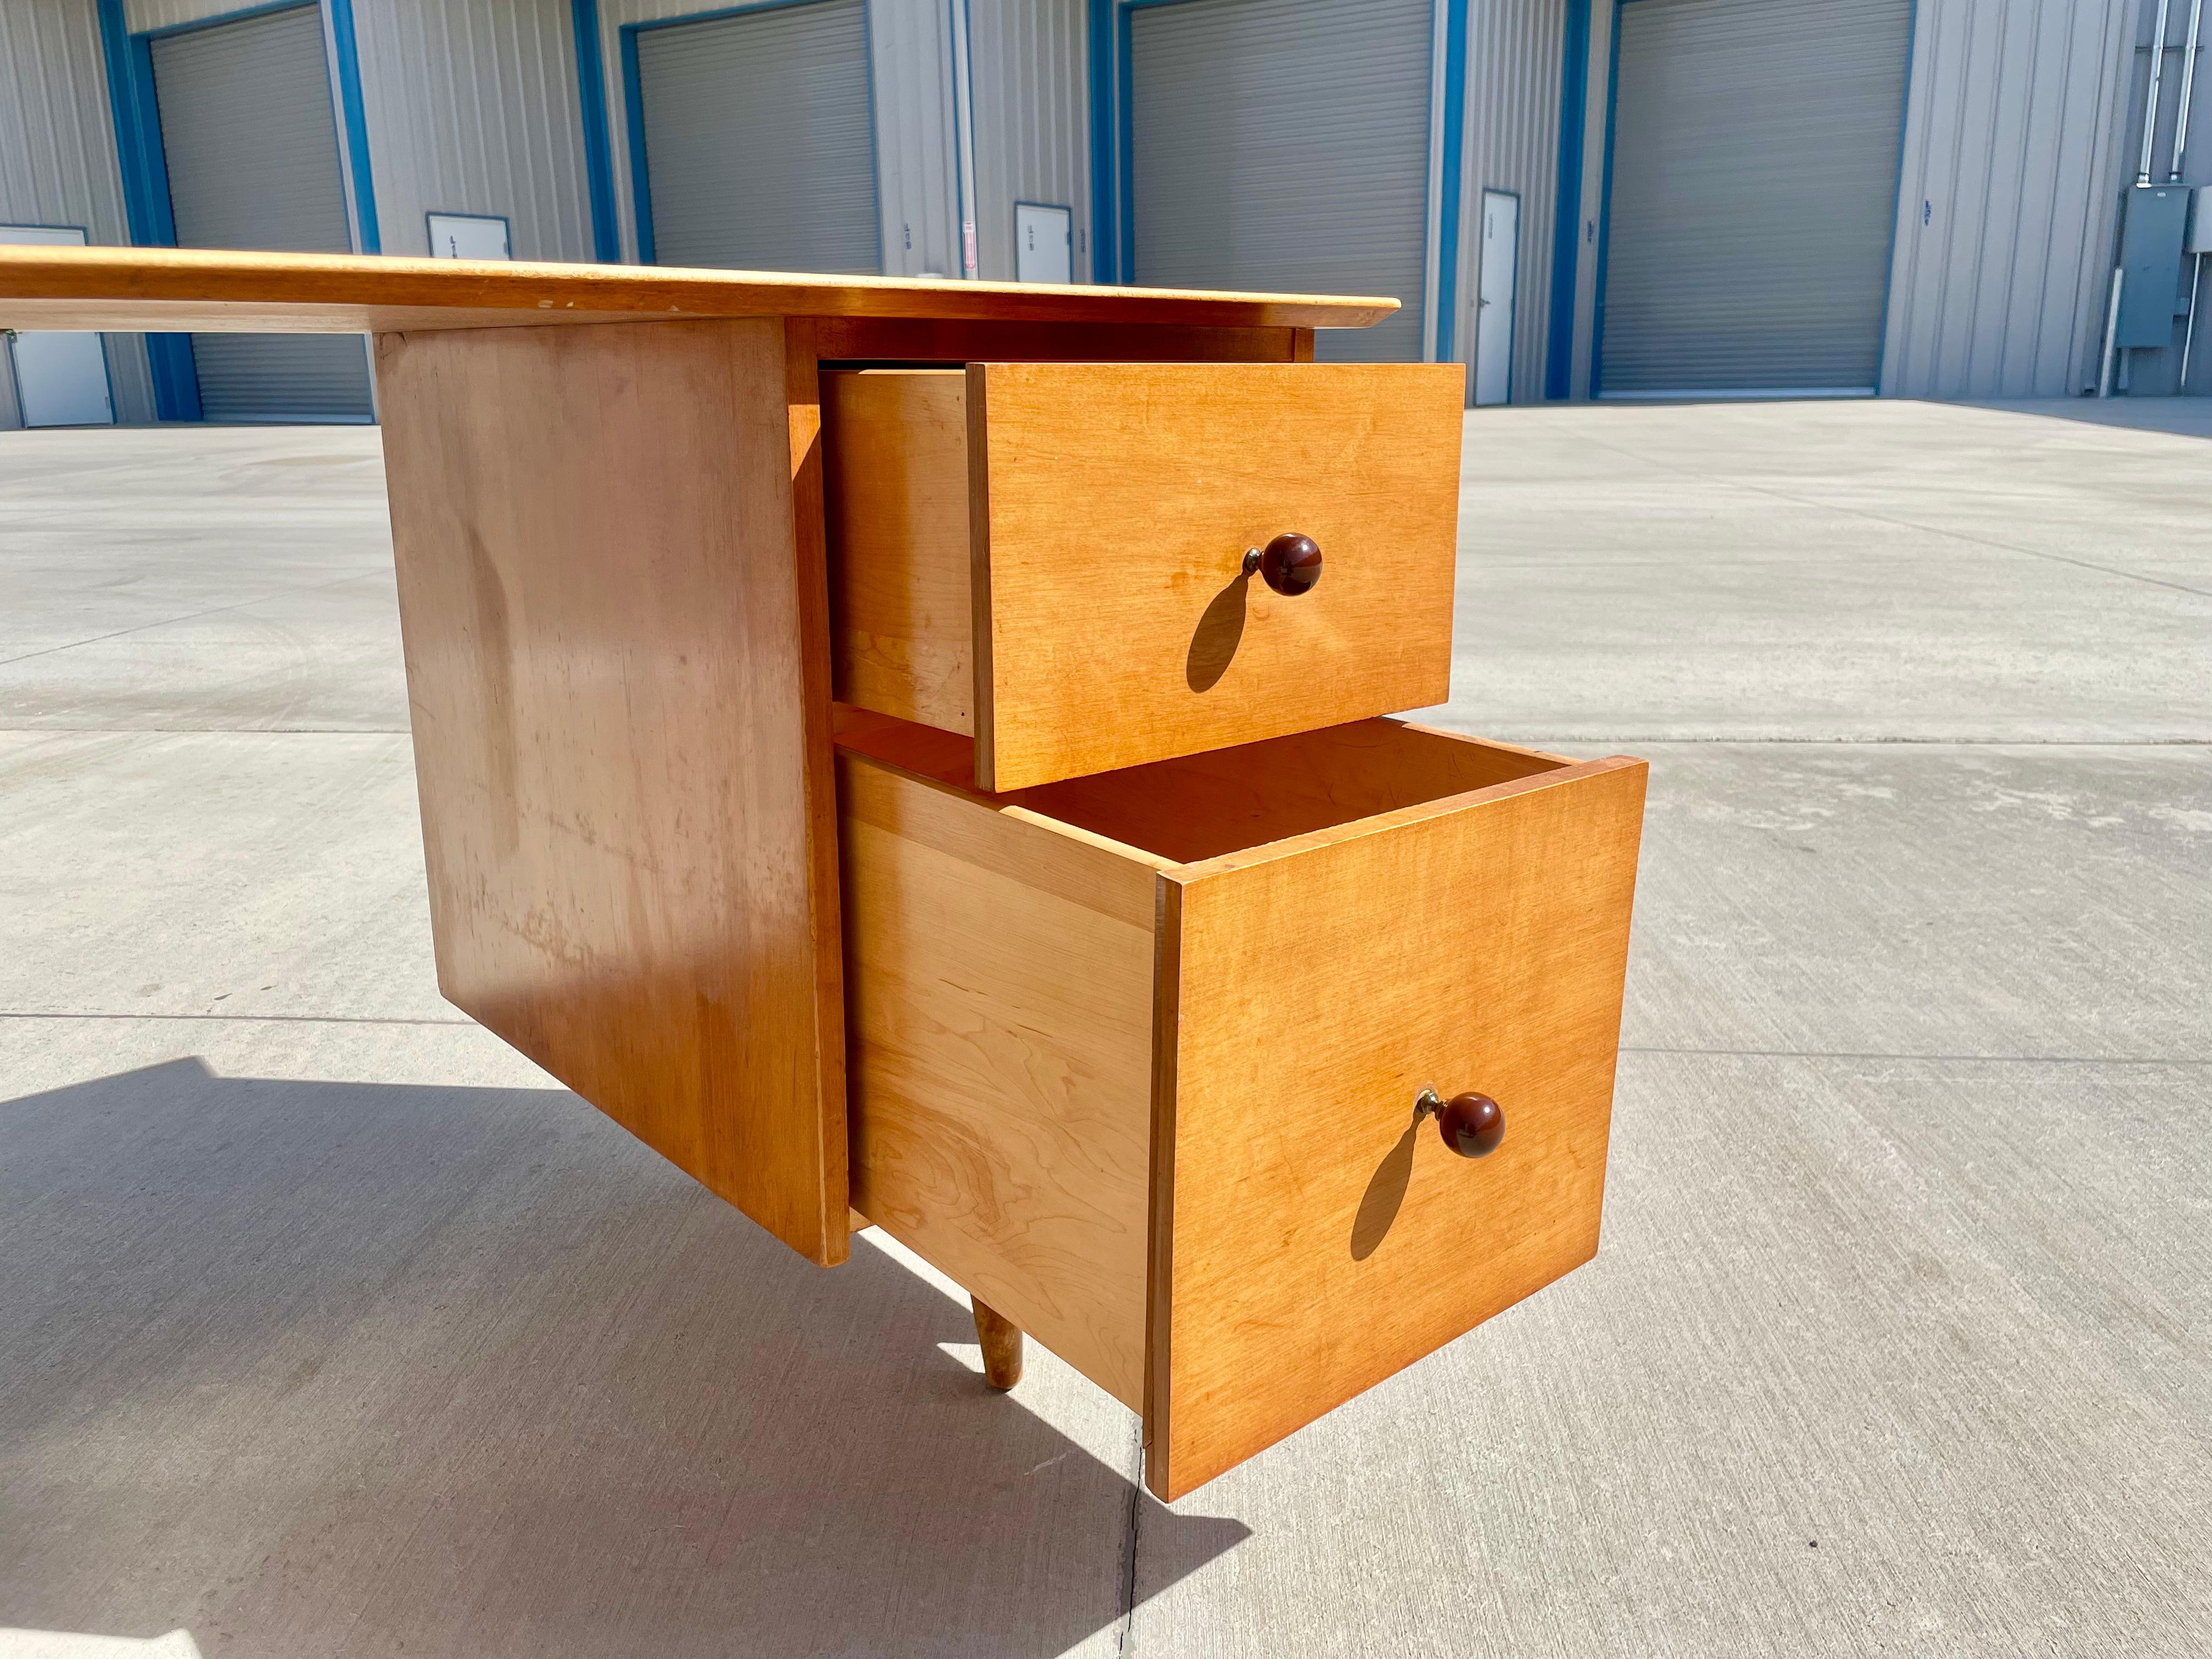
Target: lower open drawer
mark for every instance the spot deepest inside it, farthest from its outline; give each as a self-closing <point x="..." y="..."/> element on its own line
<point x="1135" y="1057"/>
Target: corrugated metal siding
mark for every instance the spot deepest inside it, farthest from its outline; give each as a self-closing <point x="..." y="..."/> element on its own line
<point x="910" y="43"/>
<point x="2005" y="214"/>
<point x="471" y="108"/>
<point x="250" y="136"/>
<point x="1030" y="64"/>
<point x="1754" y="192"/>
<point x="250" y="133"/>
<point x="140" y="16"/>
<point x="910" y="64"/>
<point x="1236" y="185"/>
<point x="1513" y="69"/>
<point x="786" y="90"/>
<point x="144" y="14"/>
<point x="58" y="163"/>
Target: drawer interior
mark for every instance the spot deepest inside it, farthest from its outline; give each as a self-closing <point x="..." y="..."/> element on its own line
<point x="1197" y="807"/>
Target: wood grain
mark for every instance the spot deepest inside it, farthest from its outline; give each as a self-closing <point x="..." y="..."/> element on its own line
<point x="1476" y="943"/>
<point x="1110" y="509"/>
<point x="901" y="633"/>
<point x="952" y="341"/>
<point x="212" y="292"/>
<point x="998" y="975"/>
<point x="619" y="692"/>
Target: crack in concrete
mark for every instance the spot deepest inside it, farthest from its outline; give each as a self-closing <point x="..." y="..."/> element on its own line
<point x="1854" y="1053"/>
<point x="1125" y="1633"/>
<point x="1774" y="493"/>
<point x="265" y="1019"/>
<point x="194" y="615"/>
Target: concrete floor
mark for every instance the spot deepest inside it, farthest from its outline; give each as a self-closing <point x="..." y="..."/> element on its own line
<point x="328" y="1326"/>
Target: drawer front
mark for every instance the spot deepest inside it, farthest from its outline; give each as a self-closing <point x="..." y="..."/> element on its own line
<point x="1096" y="517"/>
<point x="1313" y="1235"/>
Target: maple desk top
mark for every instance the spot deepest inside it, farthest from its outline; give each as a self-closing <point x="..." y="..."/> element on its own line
<point x="214" y="292"/>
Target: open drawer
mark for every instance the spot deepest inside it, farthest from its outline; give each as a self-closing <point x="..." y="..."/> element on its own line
<point x="1135" y="1057"/>
<point x="1050" y="557"/>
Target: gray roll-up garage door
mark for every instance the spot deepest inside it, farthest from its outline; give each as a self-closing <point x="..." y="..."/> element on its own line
<point x="759" y="151"/>
<point x="1284" y="145"/>
<point x="252" y="156"/>
<point x="1754" y="194"/>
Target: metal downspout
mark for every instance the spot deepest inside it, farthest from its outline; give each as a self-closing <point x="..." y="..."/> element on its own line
<point x="2173" y="177"/>
<point x="2150" y="101"/>
<point x="2188" y="86"/>
<point x="963" y="137"/>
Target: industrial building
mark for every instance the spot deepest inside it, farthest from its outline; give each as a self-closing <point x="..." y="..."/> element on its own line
<point x="1579" y="198"/>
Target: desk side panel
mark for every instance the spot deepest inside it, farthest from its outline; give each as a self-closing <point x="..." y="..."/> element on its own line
<point x="625" y="794"/>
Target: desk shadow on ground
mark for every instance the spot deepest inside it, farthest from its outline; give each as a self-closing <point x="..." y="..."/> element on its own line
<point x="312" y="1367"/>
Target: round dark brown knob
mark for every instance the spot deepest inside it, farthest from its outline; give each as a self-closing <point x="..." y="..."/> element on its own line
<point x="1470" y="1125"/>
<point x="1290" y="564"/>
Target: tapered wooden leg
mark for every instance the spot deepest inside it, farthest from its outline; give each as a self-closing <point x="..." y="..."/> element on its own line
<point x="1002" y="1346"/>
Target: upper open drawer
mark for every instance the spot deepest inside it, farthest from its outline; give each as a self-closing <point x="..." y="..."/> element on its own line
<point x="1052" y="558"/>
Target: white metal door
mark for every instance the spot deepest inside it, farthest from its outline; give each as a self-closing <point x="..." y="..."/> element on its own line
<point x="251" y="147"/>
<point x="61" y="376"/>
<point x="1283" y="145"/>
<point x="1044" y="250"/>
<point x="1494" y="288"/>
<point x="759" y="147"/>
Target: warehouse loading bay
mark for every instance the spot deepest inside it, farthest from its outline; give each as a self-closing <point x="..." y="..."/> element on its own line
<point x="337" y="1328"/>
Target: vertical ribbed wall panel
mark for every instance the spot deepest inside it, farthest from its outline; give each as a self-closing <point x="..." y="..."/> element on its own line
<point x="1596" y="123"/>
<point x="613" y="15"/>
<point x="2013" y="161"/>
<point x="1513" y="69"/>
<point x="471" y="107"/>
<point x="909" y="56"/>
<point x="58" y="163"/>
<point x="144" y="14"/>
<point x="917" y="163"/>
<point x="1032" y="99"/>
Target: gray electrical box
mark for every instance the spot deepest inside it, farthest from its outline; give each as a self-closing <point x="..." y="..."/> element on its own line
<point x="2200" y="220"/>
<point x="2150" y="253"/>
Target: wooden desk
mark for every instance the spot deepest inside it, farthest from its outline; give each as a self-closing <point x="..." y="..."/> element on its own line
<point x="1101" y="944"/>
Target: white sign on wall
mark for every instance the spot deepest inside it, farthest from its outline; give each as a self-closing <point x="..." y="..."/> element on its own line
<point x="469" y="236"/>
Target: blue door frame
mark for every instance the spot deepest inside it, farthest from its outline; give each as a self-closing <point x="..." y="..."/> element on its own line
<point x="592" y="111"/>
<point x="144" y="164"/>
<point x="1113" y="155"/>
<point x="1567" y="211"/>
